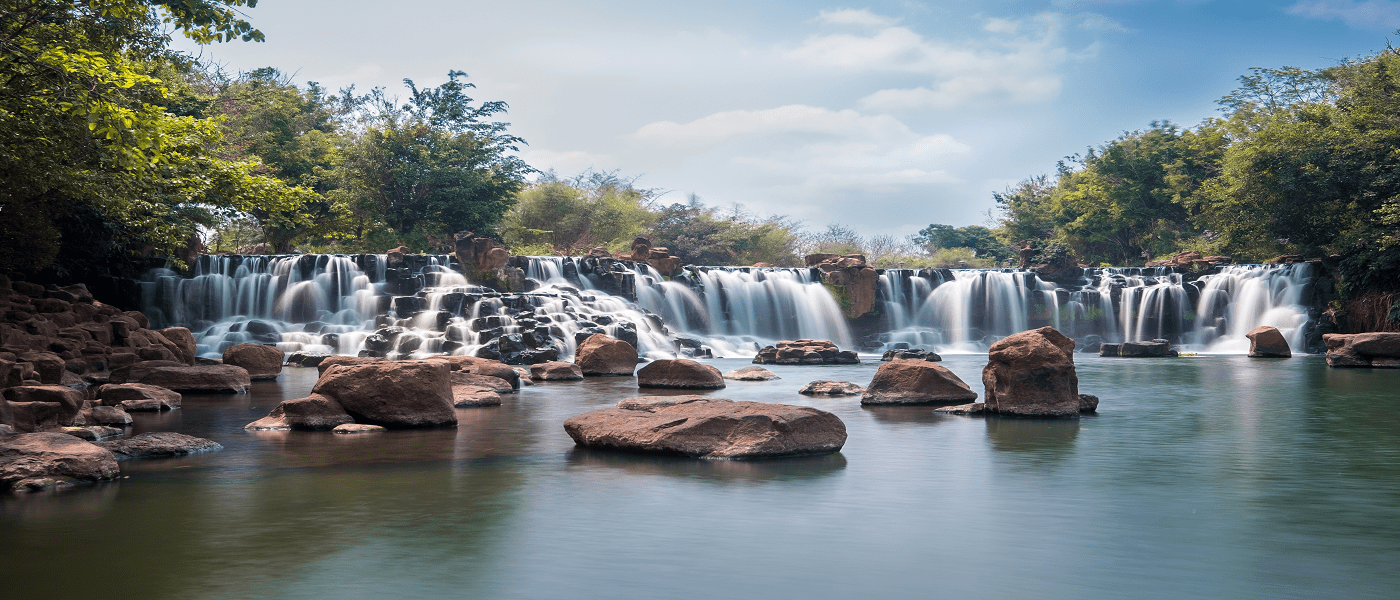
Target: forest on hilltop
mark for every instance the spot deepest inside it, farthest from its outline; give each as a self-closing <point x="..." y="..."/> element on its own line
<point x="116" y="149"/>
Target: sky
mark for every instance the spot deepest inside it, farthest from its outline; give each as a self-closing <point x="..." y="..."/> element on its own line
<point x="882" y="116"/>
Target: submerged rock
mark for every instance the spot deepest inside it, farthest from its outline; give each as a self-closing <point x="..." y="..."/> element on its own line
<point x="357" y="428"/>
<point x="911" y="354"/>
<point x="916" y="382"/>
<point x="754" y="373"/>
<point x="824" y="387"/>
<point x="705" y="427"/>
<point x="975" y="408"/>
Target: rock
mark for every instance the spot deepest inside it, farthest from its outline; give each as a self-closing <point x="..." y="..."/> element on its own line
<point x="1267" y="342"/>
<point x="392" y="394"/>
<point x="47" y="365"/>
<point x="823" y="387"/>
<point x="262" y="362"/>
<point x="1377" y="345"/>
<point x="357" y="428"/>
<point x="312" y="413"/>
<point x="1376" y="350"/>
<point x="106" y="415"/>
<point x="32" y="408"/>
<point x="199" y="379"/>
<point x="916" y="382"/>
<point x="751" y="374"/>
<point x="159" y="445"/>
<point x="332" y="361"/>
<point x="602" y="355"/>
<point x="92" y="433"/>
<point x="681" y="374"/>
<point x="556" y="371"/>
<point x="469" y="396"/>
<point x="805" y="352"/>
<point x="495" y="384"/>
<point x="708" y="428"/>
<point x="499" y="370"/>
<point x="307" y="359"/>
<point x="184" y="343"/>
<point x="1032" y="374"/>
<point x="1088" y="403"/>
<point x="975" y="408"/>
<point x="1142" y="349"/>
<point x="137" y="397"/>
<point x="30" y="461"/>
<point x="911" y="354"/>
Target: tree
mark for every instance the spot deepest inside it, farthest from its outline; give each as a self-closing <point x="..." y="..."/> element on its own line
<point x="433" y="165"/>
<point x="594" y="208"/>
<point x="696" y="234"/>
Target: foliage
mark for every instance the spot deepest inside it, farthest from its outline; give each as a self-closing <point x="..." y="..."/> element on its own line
<point x="983" y="241"/>
<point x="571" y="217"/>
<point x="699" y="235"/>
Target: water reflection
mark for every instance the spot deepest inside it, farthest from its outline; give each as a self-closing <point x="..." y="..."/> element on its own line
<point x="918" y="415"/>
<point x="791" y="468"/>
<point x="1041" y="442"/>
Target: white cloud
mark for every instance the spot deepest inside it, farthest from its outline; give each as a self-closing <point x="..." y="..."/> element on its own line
<point x="1016" y="61"/>
<point x="567" y="163"/>
<point x="861" y="17"/>
<point x="1367" y="14"/>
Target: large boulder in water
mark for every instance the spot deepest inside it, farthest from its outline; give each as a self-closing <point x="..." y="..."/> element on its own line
<point x="602" y="355"/>
<point x="1378" y="349"/>
<point x="916" y="382"/>
<point x="30" y="461"/>
<point x="1032" y="374"/>
<point x="1268" y="342"/>
<point x="708" y="427"/>
<point x="680" y="374"/>
<point x="392" y="393"/>
<point x="261" y="361"/>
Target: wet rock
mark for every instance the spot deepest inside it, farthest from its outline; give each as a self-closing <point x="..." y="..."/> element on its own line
<point x="312" y="413"/>
<point x="1142" y="349"/>
<point x="916" y="382"/>
<point x="823" y="387"/>
<point x="137" y="397"/>
<point x="332" y="361"/>
<point x="32" y="408"/>
<point x="496" y="384"/>
<point x="262" y="362"/>
<point x="357" y="428"/>
<point x="679" y="374"/>
<point x="602" y="355"/>
<point x="975" y="408"/>
<point x="556" y="371"/>
<point x="92" y="433"/>
<point x="32" y="461"/>
<point x="1268" y="342"/>
<point x="805" y="352"/>
<point x="198" y="379"/>
<point x="106" y="415"/>
<point x="159" y="445"/>
<point x="754" y="373"/>
<point x="470" y="396"/>
<point x="910" y="354"/>
<point x="1032" y="374"/>
<point x="392" y="394"/>
<point x="708" y="428"/>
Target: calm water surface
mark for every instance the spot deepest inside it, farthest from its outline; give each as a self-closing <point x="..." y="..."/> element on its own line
<point x="1207" y="477"/>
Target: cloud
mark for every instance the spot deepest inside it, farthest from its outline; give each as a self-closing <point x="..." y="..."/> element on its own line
<point x="1368" y="14"/>
<point x="1016" y="60"/>
<point x="567" y="162"/>
<point x="861" y="17"/>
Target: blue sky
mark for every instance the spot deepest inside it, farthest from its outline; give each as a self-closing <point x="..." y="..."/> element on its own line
<point x="882" y="116"/>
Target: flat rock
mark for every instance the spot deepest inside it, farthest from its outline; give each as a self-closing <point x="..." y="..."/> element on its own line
<point x="357" y="428"/>
<point x="975" y="408"/>
<point x="754" y="373"/>
<point x="92" y="432"/>
<point x="137" y="397"/>
<point x="823" y="387"/>
<point x="470" y="396"/>
<point x="916" y="382"/>
<point x="106" y="415"/>
<point x="159" y="445"/>
<point x="704" y="427"/>
<point x="31" y="461"/>
<point x="198" y="379"/>
<point x="496" y="384"/>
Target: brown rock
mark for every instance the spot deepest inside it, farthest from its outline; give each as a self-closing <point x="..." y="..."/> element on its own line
<point x="1267" y="342"/>
<point x="975" y="408"/>
<point x="497" y="369"/>
<point x="1377" y="344"/>
<point x="495" y="384"/>
<point x="470" y="396"/>
<point x="262" y="362"/>
<point x="331" y="361"/>
<point x="199" y="379"/>
<point x="602" y="355"/>
<point x="556" y="371"/>
<point x="680" y="374"/>
<point x="313" y="413"/>
<point x="43" y="407"/>
<point x="138" y="397"/>
<point x="92" y="433"/>
<point x="106" y="415"/>
<point x="824" y="387"/>
<point x="47" y="365"/>
<point x="709" y="428"/>
<point x="31" y="461"/>
<point x="916" y="382"/>
<point x="392" y="394"/>
<point x="185" y="347"/>
<point x="357" y="428"/>
<point x="754" y="373"/>
<point x="1032" y="374"/>
<point x="805" y="352"/>
<point x="159" y="445"/>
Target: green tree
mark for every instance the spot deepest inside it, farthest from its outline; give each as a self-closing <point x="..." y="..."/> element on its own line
<point x="571" y="217"/>
<point x="699" y="235"/>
